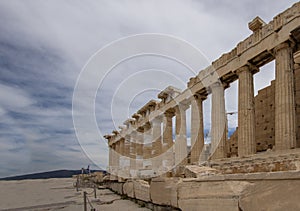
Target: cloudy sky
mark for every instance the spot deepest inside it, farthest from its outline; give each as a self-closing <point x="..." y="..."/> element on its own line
<point x="44" y="46"/>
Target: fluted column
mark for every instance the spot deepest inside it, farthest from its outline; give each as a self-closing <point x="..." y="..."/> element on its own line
<point x="147" y="146"/>
<point x="133" y="153"/>
<point x="218" y="122"/>
<point x="121" y="146"/>
<point x="139" y="149"/>
<point x="121" y="171"/>
<point x="127" y="146"/>
<point x="117" y="157"/>
<point x="297" y="96"/>
<point x="285" y="122"/>
<point x="113" y="160"/>
<point x="121" y="157"/>
<point x="156" y="143"/>
<point x="180" y="140"/>
<point x="197" y="128"/>
<point x="127" y="154"/>
<point x="246" y="113"/>
<point x="168" y="148"/>
<point x="110" y="158"/>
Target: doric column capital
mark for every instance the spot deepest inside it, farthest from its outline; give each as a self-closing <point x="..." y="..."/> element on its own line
<point x="181" y="107"/>
<point x="218" y="84"/>
<point x="141" y="129"/>
<point x="147" y="126"/>
<point x="198" y="96"/>
<point x="284" y="45"/>
<point x="248" y="67"/>
<point x="169" y="113"/>
<point x="127" y="137"/>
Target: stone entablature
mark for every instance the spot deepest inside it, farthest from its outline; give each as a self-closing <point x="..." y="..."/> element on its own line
<point x="148" y="108"/>
<point x="168" y="94"/>
<point x="264" y="39"/>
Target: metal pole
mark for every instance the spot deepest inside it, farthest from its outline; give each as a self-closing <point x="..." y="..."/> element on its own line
<point x="77" y="183"/>
<point x="95" y="192"/>
<point x="84" y="201"/>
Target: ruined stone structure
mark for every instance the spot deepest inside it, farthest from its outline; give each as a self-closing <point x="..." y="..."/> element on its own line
<point x="144" y="147"/>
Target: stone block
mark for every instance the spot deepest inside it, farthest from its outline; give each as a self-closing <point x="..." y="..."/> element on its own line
<point x="272" y="195"/>
<point x="297" y="165"/>
<point x="198" y="171"/>
<point x="216" y="204"/>
<point x="128" y="189"/>
<point x="117" y="187"/>
<point x="141" y="190"/>
<point x="163" y="191"/>
<point x="210" y="195"/>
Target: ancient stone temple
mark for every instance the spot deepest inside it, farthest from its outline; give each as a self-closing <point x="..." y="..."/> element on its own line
<point x="257" y="168"/>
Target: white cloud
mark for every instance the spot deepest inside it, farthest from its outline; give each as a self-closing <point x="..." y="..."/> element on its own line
<point x="12" y="98"/>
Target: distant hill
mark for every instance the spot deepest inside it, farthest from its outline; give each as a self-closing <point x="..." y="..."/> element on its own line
<point x="47" y="175"/>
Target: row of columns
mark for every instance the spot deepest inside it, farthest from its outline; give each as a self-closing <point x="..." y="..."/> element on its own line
<point x="161" y="141"/>
<point x="164" y="152"/>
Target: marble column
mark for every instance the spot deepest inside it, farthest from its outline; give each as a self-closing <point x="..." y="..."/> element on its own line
<point x="147" y="146"/>
<point x="180" y="139"/>
<point x="285" y="122"/>
<point x="114" y="161"/>
<point x="297" y="96"/>
<point x="121" y="155"/>
<point x="197" y="128"/>
<point x="121" y="146"/>
<point x="133" y="153"/>
<point x="110" y="158"/>
<point x="127" y="146"/>
<point x="127" y="154"/>
<point x="246" y="113"/>
<point x="168" y="145"/>
<point x="218" y="122"/>
<point x="156" y="143"/>
<point x="117" y="157"/>
<point x="139" y="148"/>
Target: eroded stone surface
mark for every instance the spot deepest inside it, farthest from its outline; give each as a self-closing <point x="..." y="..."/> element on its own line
<point x="128" y="189"/>
<point x="210" y="195"/>
<point x="274" y="195"/>
<point x="163" y="191"/>
<point x="117" y="187"/>
<point x="141" y="190"/>
<point x="216" y="204"/>
<point x="198" y="171"/>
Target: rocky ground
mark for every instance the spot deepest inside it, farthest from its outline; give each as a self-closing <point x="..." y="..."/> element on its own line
<point x="57" y="194"/>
